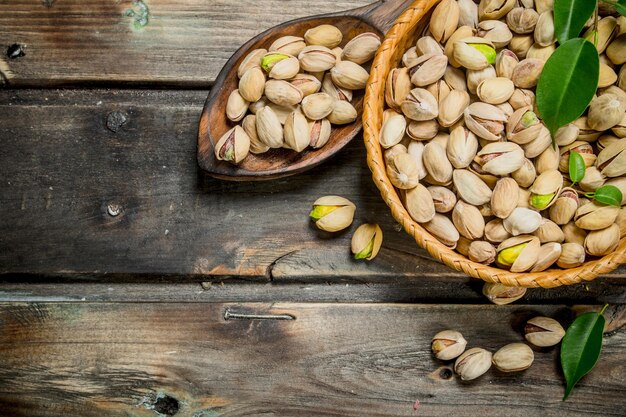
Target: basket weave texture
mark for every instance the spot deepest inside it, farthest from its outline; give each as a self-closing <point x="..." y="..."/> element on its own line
<point x="399" y="38"/>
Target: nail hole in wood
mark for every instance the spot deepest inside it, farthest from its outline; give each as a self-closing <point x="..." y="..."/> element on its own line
<point x="167" y="405"/>
<point x="15" y="51"/>
<point x="445" y="373"/>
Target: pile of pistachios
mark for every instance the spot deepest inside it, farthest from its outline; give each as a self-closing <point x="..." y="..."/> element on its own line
<point x="473" y="161"/>
<point x="281" y="86"/>
<point x="515" y="357"/>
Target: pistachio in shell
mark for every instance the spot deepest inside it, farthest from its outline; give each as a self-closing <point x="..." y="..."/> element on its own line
<point x="326" y="35"/>
<point x="522" y="221"/>
<point x="543" y="331"/>
<point x="470" y="187"/>
<point x="546" y="189"/>
<point x="612" y="160"/>
<point x="296" y="132"/>
<point x="366" y="241"/>
<point x="332" y="213"/>
<point x="468" y="221"/>
<point x="525" y="176"/>
<point x="523" y="126"/>
<point x="549" y="253"/>
<point x="549" y="231"/>
<point x="538" y="145"/>
<point x="595" y="216"/>
<point x="422" y="131"/>
<point x="566" y="135"/>
<point x="343" y="113"/>
<point x="249" y="125"/>
<point x="419" y="204"/>
<point x="427" y="45"/>
<point x="572" y="255"/>
<point x="494" y="9"/>
<point x="349" y="75"/>
<point x="428" y="69"/>
<point x="233" y="146"/>
<point x="544" y="30"/>
<point x="526" y="73"/>
<point x="338" y="93"/>
<point x="268" y="127"/>
<point x="444" y="20"/>
<point x="319" y="133"/>
<point x="472" y="363"/>
<point x="290" y="45"/>
<point x="307" y="84"/>
<point x="504" y="197"/>
<point x="443" y="230"/>
<point x="496" y="32"/>
<point x="521" y="44"/>
<point x="619" y="182"/>
<point x="416" y="151"/>
<point x="475" y="77"/>
<point x="448" y="345"/>
<point x="437" y="163"/>
<point x="361" y="48"/>
<point x="451" y="108"/>
<point x="461" y="32"/>
<point x="495" y="90"/>
<point x="482" y="252"/>
<point x="519" y="253"/>
<point x="468" y="13"/>
<point x="574" y="234"/>
<point x="403" y="172"/>
<point x="420" y="105"/>
<point x="318" y="106"/>
<point x="500" y="158"/>
<point x="501" y="294"/>
<point x="485" y="120"/>
<point x="474" y="53"/>
<point x="236" y="106"/>
<point x="514" y="357"/>
<point x="495" y="231"/>
<point x="592" y="180"/>
<point x="397" y="87"/>
<point x="252" y="60"/>
<point x="605" y="112"/>
<point x="462" y="147"/>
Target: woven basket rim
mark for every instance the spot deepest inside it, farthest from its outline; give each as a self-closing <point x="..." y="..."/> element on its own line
<point x="374" y="104"/>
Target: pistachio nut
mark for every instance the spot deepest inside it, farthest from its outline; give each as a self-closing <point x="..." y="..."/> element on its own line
<point x="307" y="84"/>
<point x="549" y="231"/>
<point x="549" y="253"/>
<point x="257" y="105"/>
<point x="462" y="147"/>
<point x="332" y="213"/>
<point x="526" y="73"/>
<point x="543" y="331"/>
<point x="621" y="222"/>
<point x="592" y="180"/>
<point x="605" y="112"/>
<point x="506" y="61"/>
<point x="472" y="363"/>
<point x="607" y="30"/>
<point x="428" y="69"/>
<point x="324" y="35"/>
<point x="584" y="149"/>
<point x="451" y="108"/>
<point x="586" y="133"/>
<point x="444" y="20"/>
<point x="419" y="204"/>
<point x="474" y="53"/>
<point x="391" y="153"/>
<point x="252" y="85"/>
<point x="595" y="216"/>
<point x="403" y="172"/>
<point x="574" y="234"/>
<point x="519" y="253"/>
<point x="317" y="106"/>
<point x="501" y="294"/>
<point x="566" y="135"/>
<point x="615" y="90"/>
<point x="252" y="60"/>
<point x="572" y="255"/>
<point x="564" y="207"/>
<point x="525" y="175"/>
<point x="500" y="158"/>
<point x="470" y="187"/>
<point x="392" y="130"/>
<point x="495" y="90"/>
<point x="448" y="345"/>
<point x="284" y="69"/>
<point x="427" y="45"/>
<point x="544" y="30"/>
<point x="546" y="189"/>
<point x="523" y="126"/>
<point x="542" y="53"/>
<point x="343" y="113"/>
<point x="602" y="242"/>
<point x="249" y="126"/>
<point x="521" y="44"/>
<point x="522" y="98"/>
<point x="620" y="183"/>
<point x="443" y="199"/>
<point x="474" y="78"/>
<point x="522" y="20"/>
<point x="315" y="58"/>
<point x="290" y="45"/>
<point x="496" y="32"/>
<point x="504" y="197"/>
<point x="485" y="120"/>
<point x="608" y="77"/>
<point x="282" y="112"/>
<point x="548" y="160"/>
<point x="425" y="130"/>
<point x="495" y="231"/>
<point x="536" y="147"/>
<point x="236" y="106"/>
<point x="523" y="198"/>
<point x="366" y="241"/>
<point x="296" y="132"/>
<point x="338" y="93"/>
<point x="233" y="146"/>
<point x="468" y="13"/>
<point x="522" y="221"/>
<point x="619" y="129"/>
<point x="439" y="90"/>
<point x="420" y="105"/>
<point x="361" y="48"/>
<point x="270" y="59"/>
<point x="398" y="87"/>
<point x="621" y="80"/>
<point x="319" y="133"/>
<point x="416" y="150"/>
<point x="282" y="93"/>
<point x="494" y="9"/>
<point x="443" y="230"/>
<point x="482" y="252"/>
<point x="409" y="56"/>
<point x="460" y="33"/>
<point x="347" y="74"/>
<point x="468" y="221"/>
<point x="269" y="129"/>
<point x="463" y="245"/>
<point x="514" y="357"/>
<point x="437" y="163"/>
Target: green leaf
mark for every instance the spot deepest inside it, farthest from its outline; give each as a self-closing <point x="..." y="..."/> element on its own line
<point x="620" y="6"/>
<point x="568" y="82"/>
<point x="581" y="348"/>
<point x="576" y="167"/>
<point x="609" y="194"/>
<point x="570" y="17"/>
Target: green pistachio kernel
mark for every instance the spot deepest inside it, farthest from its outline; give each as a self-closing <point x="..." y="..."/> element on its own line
<point x="508" y="256"/>
<point x="367" y="251"/>
<point x="486" y="50"/>
<point x="541" y="201"/>
<point x="269" y="60"/>
<point x="229" y="155"/>
<point x="529" y="119"/>
<point x="320" y="211"/>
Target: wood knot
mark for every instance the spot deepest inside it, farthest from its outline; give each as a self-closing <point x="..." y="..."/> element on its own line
<point x="15" y="51"/>
<point x="166" y="405"/>
<point x="445" y="373"/>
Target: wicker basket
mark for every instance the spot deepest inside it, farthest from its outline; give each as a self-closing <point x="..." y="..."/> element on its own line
<point x="399" y="38"/>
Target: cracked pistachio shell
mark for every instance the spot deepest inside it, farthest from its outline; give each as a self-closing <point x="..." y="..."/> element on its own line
<point x="608" y="77"/>
<point x="592" y="180"/>
<point x="306" y="83"/>
<point x="468" y="13"/>
<point x="482" y="252"/>
<point x="444" y="20"/>
<point x="549" y="253"/>
<point x="252" y="84"/>
<point x="522" y="221"/>
<point x="519" y="253"/>
<point x="236" y="106"/>
<point x="605" y="112"/>
<point x="521" y="44"/>
<point x="501" y="294"/>
<point x="549" y="232"/>
<point x="504" y="197"/>
<point x="548" y="160"/>
<point x="252" y="60"/>
<point x="583" y="148"/>
<point x="485" y="120"/>
<point x="620" y="183"/>
<point x="526" y="73"/>
<point x="602" y="242"/>
<point x="392" y="130"/>
<point x="420" y="105"/>
<point x="233" y="146"/>
<point x="409" y="56"/>
<point x="347" y="74"/>
<point x="541" y="52"/>
<point x="403" y="172"/>
<point x="283" y="111"/>
<point x="514" y="357"/>
<point x="462" y="32"/>
<point x="290" y="45"/>
<point x="472" y="364"/>
<point x="343" y="113"/>
<point x="523" y="126"/>
<point x="338" y="93"/>
<point x="296" y="132"/>
<point x="257" y="105"/>
<point x="506" y="61"/>
<point x="543" y="331"/>
<point x="366" y="241"/>
<point x="522" y="20"/>
<point x="416" y="150"/>
<point x="391" y="153"/>
<point x="324" y="35"/>
<point x="526" y="174"/>
<point x="361" y="48"/>
<point x="249" y="125"/>
<point x="544" y="30"/>
<point x="398" y="87"/>
<point x="534" y="148"/>
<point x="595" y="216"/>
<point x="448" y="345"/>
<point x="500" y="158"/>
<point x="268" y="127"/>
<point x="319" y="133"/>
<point x="572" y="255"/>
<point x="420" y="204"/>
<point x="461" y="148"/>
<point x="495" y="31"/>
<point x="522" y="98"/>
<point x="474" y="53"/>
<point x="316" y="58"/>
<point x="619" y="129"/>
<point x="455" y="78"/>
<point x="495" y="231"/>
<point x="428" y="69"/>
<point x="317" y="106"/>
<point x="443" y="230"/>
<point x="586" y="133"/>
<point x="468" y="221"/>
<point x="332" y="213"/>
<point x="282" y="93"/>
<point x="443" y="198"/>
<point x="495" y="90"/>
<point x="546" y="189"/>
<point x="451" y="108"/>
<point x="285" y="69"/>
<point x="427" y="45"/>
<point x="476" y="169"/>
<point x="607" y="30"/>
<point x="474" y="78"/>
<point x="439" y="90"/>
<point x="564" y="207"/>
<point x="436" y="162"/>
<point x="494" y="9"/>
<point x="566" y="135"/>
<point x="471" y="188"/>
<point x="425" y="130"/>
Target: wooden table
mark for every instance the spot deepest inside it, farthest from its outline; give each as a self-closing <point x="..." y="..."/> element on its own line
<point x="134" y="285"/>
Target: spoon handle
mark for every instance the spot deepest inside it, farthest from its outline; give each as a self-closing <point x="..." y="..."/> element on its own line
<point x="380" y="14"/>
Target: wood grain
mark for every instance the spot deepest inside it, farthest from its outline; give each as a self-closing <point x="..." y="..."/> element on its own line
<point x="187" y="360"/>
<point x="184" y="43"/>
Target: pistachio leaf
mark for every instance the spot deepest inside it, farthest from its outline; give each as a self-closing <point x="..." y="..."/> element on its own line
<point x="568" y="82"/>
<point x="581" y="347"/>
<point x="620" y="6"/>
<point x="576" y="167"/>
<point x="570" y="17"/>
<point x="609" y="194"/>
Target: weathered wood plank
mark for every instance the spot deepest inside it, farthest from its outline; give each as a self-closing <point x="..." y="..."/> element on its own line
<point x="61" y="168"/>
<point x="184" y="43"/>
<point x="187" y="360"/>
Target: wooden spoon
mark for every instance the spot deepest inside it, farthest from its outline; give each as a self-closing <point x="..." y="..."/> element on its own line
<point x="277" y="163"/>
